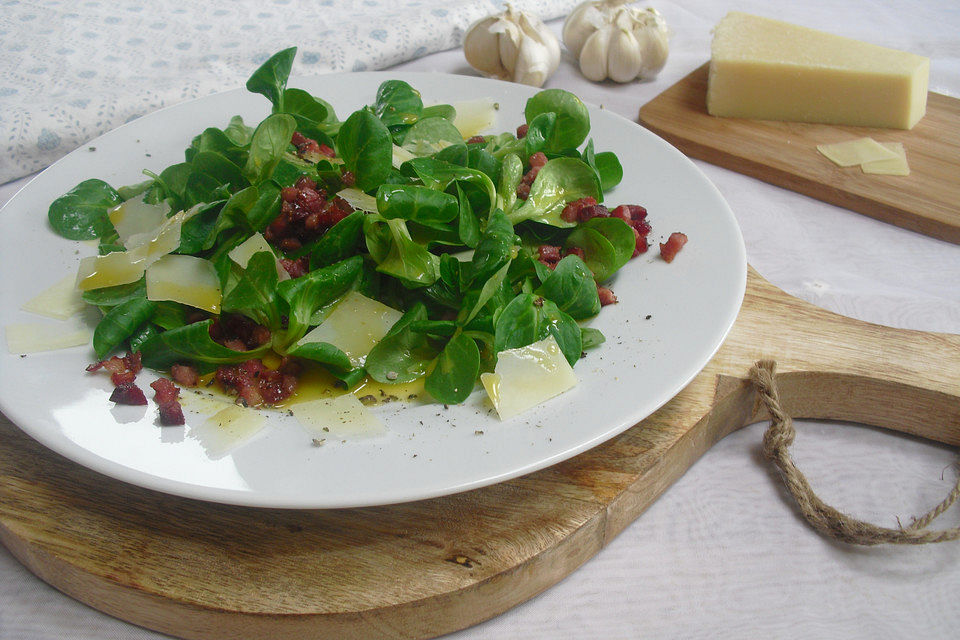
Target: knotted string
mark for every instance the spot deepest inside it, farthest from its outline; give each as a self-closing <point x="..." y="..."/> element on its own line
<point x="776" y="443"/>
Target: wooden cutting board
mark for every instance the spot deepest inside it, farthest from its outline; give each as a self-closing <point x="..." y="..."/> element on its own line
<point x="785" y="154"/>
<point x="418" y="570"/>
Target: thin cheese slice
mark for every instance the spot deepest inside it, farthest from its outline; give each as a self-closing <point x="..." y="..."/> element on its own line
<point x="343" y="416"/>
<point x="527" y="376"/>
<point x="355" y="326"/>
<point x="135" y="218"/>
<point x="400" y="155"/>
<point x="186" y="279"/>
<point x="360" y="200"/>
<point x="119" y="267"/>
<point x="772" y="70"/>
<point x="256" y="243"/>
<point x="59" y="301"/>
<point x="228" y="429"/>
<point x="474" y="116"/>
<point x="892" y="167"/>
<point x="853" y="152"/>
<point x="36" y="337"/>
<point x="242" y="253"/>
<point x="143" y="249"/>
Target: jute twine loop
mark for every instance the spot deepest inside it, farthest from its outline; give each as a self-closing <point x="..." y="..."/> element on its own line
<point x="776" y="442"/>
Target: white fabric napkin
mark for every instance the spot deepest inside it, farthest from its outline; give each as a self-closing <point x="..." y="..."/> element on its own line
<point x="70" y="71"/>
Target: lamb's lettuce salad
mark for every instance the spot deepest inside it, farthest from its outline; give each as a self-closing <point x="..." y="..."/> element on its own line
<point x="448" y="243"/>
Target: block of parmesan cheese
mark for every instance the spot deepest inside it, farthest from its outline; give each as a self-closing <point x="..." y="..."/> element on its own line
<point x="771" y="70"/>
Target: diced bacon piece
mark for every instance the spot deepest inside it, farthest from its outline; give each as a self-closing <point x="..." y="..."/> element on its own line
<point x="670" y="248"/>
<point x="133" y="362"/>
<point x="476" y="140"/>
<point x="640" y="243"/>
<point x="606" y="296"/>
<point x="522" y="131"/>
<point x="184" y="375"/>
<point x="523" y="191"/>
<point x="571" y="212"/>
<point x="307" y="148"/>
<point x="238" y="332"/>
<point x="593" y="211"/>
<point x="122" y="377"/>
<point x="548" y="255"/>
<point x="630" y="212"/>
<point x="112" y="365"/>
<point x="166" y="395"/>
<point x="304" y="182"/>
<point x="255" y="384"/>
<point x="122" y="370"/>
<point x="537" y="160"/>
<point x="171" y="414"/>
<point x="128" y="393"/>
<point x="249" y="394"/>
<point x="165" y="390"/>
<point x="296" y="268"/>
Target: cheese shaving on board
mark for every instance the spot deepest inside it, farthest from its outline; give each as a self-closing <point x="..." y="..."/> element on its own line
<point x="853" y="152"/>
<point x="892" y="167"/>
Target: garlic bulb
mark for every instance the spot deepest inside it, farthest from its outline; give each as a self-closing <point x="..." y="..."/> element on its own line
<point x="612" y="40"/>
<point x="512" y="45"/>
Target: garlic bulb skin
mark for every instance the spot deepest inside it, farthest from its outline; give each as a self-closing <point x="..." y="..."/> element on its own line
<point x="481" y="47"/>
<point x="514" y="46"/>
<point x="616" y="41"/>
<point x="585" y="19"/>
<point x="624" y="56"/>
<point x="593" y="55"/>
<point x="653" y="37"/>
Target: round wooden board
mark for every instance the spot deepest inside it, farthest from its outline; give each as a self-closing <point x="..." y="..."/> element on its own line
<point x="200" y="570"/>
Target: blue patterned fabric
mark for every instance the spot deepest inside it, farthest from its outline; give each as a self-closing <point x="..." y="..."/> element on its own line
<point x="73" y="69"/>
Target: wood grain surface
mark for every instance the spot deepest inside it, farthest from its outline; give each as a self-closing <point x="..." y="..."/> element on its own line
<point x="201" y="570"/>
<point x="785" y="154"/>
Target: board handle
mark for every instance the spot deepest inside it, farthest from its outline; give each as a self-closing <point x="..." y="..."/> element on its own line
<point x="838" y="368"/>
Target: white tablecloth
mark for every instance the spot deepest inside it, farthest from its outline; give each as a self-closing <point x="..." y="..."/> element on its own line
<point x="724" y="553"/>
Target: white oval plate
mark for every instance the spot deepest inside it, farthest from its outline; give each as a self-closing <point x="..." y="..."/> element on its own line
<point x="428" y="450"/>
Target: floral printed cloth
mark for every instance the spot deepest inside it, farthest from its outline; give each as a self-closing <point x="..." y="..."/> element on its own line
<point x="71" y="70"/>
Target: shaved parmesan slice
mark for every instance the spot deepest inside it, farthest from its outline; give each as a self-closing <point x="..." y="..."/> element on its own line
<point x="256" y="243"/>
<point x="203" y="402"/>
<point x="847" y="154"/>
<point x="401" y="155"/>
<point x="123" y="267"/>
<point x="119" y="267"/>
<point x="355" y="325"/>
<point x="242" y="253"/>
<point x="421" y="148"/>
<point x="227" y="429"/>
<point x="34" y="337"/>
<point x="527" y="376"/>
<point x="341" y="416"/>
<point x="186" y="279"/>
<point x="474" y="116"/>
<point x="60" y="301"/>
<point x="137" y="218"/>
<point x="358" y="199"/>
<point x="893" y="167"/>
<point x="164" y="239"/>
